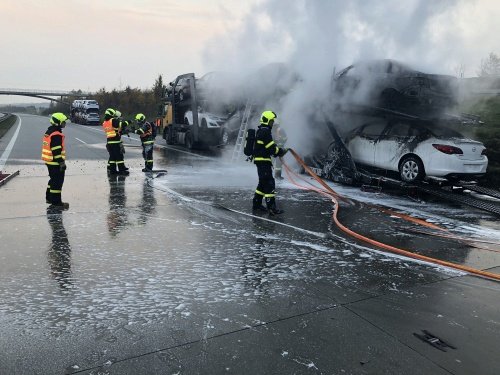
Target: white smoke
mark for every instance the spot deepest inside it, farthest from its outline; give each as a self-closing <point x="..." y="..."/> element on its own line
<point x="314" y="37"/>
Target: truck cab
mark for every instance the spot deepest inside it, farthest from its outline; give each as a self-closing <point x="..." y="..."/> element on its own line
<point x="184" y="120"/>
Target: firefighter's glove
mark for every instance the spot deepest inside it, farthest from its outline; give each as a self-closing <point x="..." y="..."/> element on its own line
<point x="122" y="148"/>
<point x="62" y="166"/>
<point x="282" y="152"/>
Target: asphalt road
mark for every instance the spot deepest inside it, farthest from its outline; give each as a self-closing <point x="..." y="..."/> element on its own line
<point x="150" y="275"/>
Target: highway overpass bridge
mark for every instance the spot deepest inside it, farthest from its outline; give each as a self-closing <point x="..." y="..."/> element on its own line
<point x="52" y="95"/>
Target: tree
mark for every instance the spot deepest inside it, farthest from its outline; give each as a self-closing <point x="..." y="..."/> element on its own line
<point x="159" y="87"/>
<point x="490" y="67"/>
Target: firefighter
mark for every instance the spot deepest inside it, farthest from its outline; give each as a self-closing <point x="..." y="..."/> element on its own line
<point x="112" y="126"/>
<point x="147" y="133"/>
<point x="280" y="137"/>
<point x="264" y="149"/>
<point x="54" y="156"/>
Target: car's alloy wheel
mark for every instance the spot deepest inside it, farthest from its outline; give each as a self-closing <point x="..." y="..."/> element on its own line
<point x="411" y="169"/>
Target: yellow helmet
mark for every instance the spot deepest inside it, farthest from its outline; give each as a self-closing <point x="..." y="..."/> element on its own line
<point x="267" y="118"/>
<point x="110" y="112"/>
<point x="140" y="117"/>
<point x="58" y="119"/>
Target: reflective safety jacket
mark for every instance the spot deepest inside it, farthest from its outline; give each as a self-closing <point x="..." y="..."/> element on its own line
<point x="53" y="151"/>
<point x="146" y="133"/>
<point x="265" y="147"/>
<point x="112" y="128"/>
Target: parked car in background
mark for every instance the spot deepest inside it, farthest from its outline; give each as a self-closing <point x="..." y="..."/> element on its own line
<point x="416" y="150"/>
<point x="393" y="85"/>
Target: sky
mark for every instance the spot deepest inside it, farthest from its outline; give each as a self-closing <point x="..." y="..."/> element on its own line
<point x="93" y="44"/>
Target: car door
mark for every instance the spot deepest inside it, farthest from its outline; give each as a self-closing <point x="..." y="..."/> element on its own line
<point x="391" y="145"/>
<point x="362" y="146"/>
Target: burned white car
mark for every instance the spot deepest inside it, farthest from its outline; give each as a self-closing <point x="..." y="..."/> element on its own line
<point x="416" y="150"/>
<point x="211" y="125"/>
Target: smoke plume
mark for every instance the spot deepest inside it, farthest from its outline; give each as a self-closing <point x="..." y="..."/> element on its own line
<point x="314" y="38"/>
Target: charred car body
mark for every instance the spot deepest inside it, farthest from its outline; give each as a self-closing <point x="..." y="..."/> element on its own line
<point x="392" y="85"/>
<point x="398" y="122"/>
<point x="417" y="149"/>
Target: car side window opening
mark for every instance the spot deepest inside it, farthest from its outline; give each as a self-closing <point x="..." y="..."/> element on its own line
<point x="399" y="129"/>
<point x="442" y="132"/>
<point x="373" y="130"/>
<point x="421" y="132"/>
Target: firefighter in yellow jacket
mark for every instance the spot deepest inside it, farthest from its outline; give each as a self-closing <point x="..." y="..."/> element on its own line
<point x="54" y="156"/>
<point x="112" y="126"/>
<point x="264" y="149"/>
<point x="147" y="132"/>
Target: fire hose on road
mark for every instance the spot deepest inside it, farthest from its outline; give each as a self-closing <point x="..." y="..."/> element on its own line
<point x="335" y="197"/>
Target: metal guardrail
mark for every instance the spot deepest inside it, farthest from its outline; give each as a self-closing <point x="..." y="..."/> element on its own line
<point x="5" y="116"/>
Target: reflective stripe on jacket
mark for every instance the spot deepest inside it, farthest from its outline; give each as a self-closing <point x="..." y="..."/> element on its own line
<point x="265" y="146"/>
<point x="108" y="128"/>
<point x="52" y="152"/>
<point x="113" y="132"/>
<point x="146" y="133"/>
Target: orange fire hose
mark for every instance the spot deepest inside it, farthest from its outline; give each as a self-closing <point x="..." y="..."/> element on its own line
<point x="335" y="197"/>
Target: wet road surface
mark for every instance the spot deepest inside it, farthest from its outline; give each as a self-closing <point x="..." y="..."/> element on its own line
<point x="151" y="276"/>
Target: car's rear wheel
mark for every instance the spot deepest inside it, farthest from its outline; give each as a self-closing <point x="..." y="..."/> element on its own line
<point x="411" y="169"/>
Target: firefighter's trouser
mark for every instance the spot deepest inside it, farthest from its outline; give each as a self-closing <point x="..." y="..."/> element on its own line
<point x="54" y="187"/>
<point x="115" y="157"/>
<point x="266" y="187"/>
<point x="147" y="154"/>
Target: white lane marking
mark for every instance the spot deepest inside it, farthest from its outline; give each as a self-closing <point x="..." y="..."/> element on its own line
<point x="10" y="146"/>
<point x="78" y="139"/>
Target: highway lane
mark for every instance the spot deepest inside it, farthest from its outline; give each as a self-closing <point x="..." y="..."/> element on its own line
<point x="82" y="143"/>
<point x="144" y="275"/>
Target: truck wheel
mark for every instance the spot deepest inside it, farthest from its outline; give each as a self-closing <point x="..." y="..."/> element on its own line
<point x="168" y="135"/>
<point x="189" y="140"/>
<point x="411" y="169"/>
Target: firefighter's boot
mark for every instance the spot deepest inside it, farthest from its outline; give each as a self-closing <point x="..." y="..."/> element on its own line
<point x="123" y="171"/>
<point x="112" y="170"/>
<point x="257" y="203"/>
<point x="59" y="206"/>
<point x="271" y="206"/>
